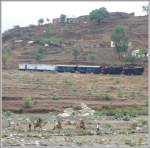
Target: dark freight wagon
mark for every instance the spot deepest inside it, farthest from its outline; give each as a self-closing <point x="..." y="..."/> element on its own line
<point x="66" y="68"/>
<point x="88" y="69"/>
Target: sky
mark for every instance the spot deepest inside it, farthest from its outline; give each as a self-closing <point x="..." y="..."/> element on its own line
<point x="25" y="13"/>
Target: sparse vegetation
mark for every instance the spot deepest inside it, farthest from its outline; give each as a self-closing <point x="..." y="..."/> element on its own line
<point x="105" y="96"/>
<point x="27" y="102"/>
<point x="55" y="97"/>
<point x="76" y="53"/>
<point x="7" y="114"/>
<point x="131" y="59"/>
<point x="6" y="56"/>
<point x="92" y="57"/>
<point x="129" y="142"/>
<point x="39" y="54"/>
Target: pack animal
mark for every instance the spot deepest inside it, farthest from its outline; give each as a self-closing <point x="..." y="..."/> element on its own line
<point x="58" y="125"/>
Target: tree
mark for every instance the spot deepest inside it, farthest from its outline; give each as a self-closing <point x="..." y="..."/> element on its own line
<point x="76" y="53"/>
<point x="146" y="9"/>
<point x="120" y="39"/>
<point x="63" y="18"/>
<point x="98" y="15"/>
<point x="39" y="54"/>
<point x="6" y="55"/>
<point x="40" y="21"/>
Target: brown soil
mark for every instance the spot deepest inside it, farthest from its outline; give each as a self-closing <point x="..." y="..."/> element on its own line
<point x="54" y="92"/>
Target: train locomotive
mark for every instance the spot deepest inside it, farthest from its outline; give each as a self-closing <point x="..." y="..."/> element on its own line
<point x="113" y="70"/>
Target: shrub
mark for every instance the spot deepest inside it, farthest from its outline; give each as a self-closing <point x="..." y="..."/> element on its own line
<point x="39" y="54"/>
<point x="27" y="101"/>
<point x="129" y="142"/>
<point x="7" y="114"/>
<point x="76" y="53"/>
<point x="6" y="56"/>
<point x="55" y="97"/>
<point x="105" y="97"/>
<point x="131" y="59"/>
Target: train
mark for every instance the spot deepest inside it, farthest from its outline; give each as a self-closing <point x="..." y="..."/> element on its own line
<point x="114" y="70"/>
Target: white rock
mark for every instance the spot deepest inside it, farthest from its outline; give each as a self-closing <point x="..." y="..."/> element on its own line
<point x="18" y="41"/>
<point x="30" y="42"/>
<point x="46" y="45"/>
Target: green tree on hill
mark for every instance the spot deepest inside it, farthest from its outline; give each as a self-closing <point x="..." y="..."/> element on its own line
<point x="120" y="39"/>
<point x="99" y="15"/>
<point x="6" y="55"/>
<point x="40" y="21"/>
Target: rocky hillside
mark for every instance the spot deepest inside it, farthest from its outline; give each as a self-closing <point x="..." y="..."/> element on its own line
<point x="92" y="40"/>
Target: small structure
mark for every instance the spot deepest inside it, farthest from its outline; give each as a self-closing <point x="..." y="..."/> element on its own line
<point x="112" y="44"/>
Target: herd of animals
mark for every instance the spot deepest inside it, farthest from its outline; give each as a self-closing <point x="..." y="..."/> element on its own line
<point x="126" y="70"/>
<point x="58" y="125"/>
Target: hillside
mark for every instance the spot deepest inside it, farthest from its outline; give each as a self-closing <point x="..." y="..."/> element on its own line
<point x="91" y="39"/>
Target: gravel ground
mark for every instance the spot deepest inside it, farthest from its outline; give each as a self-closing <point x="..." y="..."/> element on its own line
<point x="84" y="146"/>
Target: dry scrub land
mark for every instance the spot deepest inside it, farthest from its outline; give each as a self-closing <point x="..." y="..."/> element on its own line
<point x="120" y="103"/>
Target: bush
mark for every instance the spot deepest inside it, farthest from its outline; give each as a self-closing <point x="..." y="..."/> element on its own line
<point x="39" y="54"/>
<point x="7" y="114"/>
<point x="27" y="102"/>
<point x="131" y="59"/>
<point x="6" y="56"/>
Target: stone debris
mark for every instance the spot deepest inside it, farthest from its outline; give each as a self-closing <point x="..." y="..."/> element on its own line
<point x="67" y="113"/>
<point x="85" y="111"/>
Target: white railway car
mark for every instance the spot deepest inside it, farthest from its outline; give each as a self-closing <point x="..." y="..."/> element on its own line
<point x="37" y="67"/>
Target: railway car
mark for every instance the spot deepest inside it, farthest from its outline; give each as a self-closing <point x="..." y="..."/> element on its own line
<point x="66" y="68"/>
<point x="88" y="69"/>
<point x="133" y="70"/>
<point x="106" y="70"/>
<point x="37" y="67"/>
<point x="116" y="70"/>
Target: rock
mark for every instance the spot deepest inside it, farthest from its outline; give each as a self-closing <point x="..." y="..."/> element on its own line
<point x="67" y="112"/>
<point x="86" y="111"/>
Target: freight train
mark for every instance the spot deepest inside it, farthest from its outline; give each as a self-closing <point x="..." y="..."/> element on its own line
<point x="114" y="70"/>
